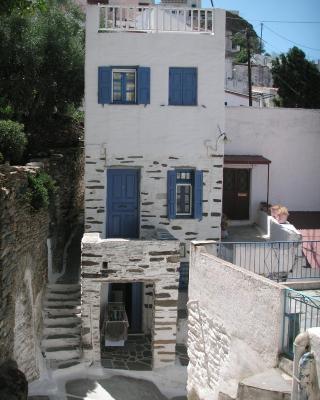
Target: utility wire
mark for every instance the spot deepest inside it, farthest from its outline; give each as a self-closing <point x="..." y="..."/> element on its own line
<point x="291" y="41"/>
<point x="275" y="21"/>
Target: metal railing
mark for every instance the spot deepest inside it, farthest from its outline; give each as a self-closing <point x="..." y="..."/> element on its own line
<point x="280" y="261"/>
<point x="155" y="18"/>
<point x="301" y="312"/>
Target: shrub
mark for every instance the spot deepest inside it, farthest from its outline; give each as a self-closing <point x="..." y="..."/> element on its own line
<point x="13" y="140"/>
<point x="41" y="188"/>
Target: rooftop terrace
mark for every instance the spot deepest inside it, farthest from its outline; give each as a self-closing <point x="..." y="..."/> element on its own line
<point x="155" y="18"/>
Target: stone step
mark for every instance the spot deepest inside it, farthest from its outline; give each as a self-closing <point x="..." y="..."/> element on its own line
<point x="62" y="322"/>
<point x="62" y="312"/>
<point x="272" y="384"/>
<point x="286" y="365"/>
<point x="51" y="296"/>
<point x="49" y="331"/>
<point x="61" y="304"/>
<point x="63" y="287"/>
<point x="61" y="342"/>
<point x="63" y="355"/>
<point x="68" y="364"/>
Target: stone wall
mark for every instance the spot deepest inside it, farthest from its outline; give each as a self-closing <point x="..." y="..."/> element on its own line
<point x="235" y="320"/>
<point x="23" y="270"/>
<point x="153" y="193"/>
<point x="118" y="260"/>
<point x="66" y="167"/>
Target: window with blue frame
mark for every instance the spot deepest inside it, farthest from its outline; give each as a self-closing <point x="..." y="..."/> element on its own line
<point x="123" y="85"/>
<point x="185" y="188"/>
<point x="183" y="86"/>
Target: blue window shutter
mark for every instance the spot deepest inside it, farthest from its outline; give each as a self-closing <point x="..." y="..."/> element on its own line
<point x="189" y="87"/>
<point x="171" y="194"/>
<point x="198" y="190"/>
<point x="104" y="85"/>
<point x="143" y="85"/>
<point x="175" y="86"/>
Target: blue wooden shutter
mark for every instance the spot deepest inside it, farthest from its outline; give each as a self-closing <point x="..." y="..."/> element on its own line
<point x="104" y="85"/>
<point x="189" y="86"/>
<point x="175" y="86"/>
<point x="171" y="194"/>
<point x="198" y="190"/>
<point x="143" y="85"/>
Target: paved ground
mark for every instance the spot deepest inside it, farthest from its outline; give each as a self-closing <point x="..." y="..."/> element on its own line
<point x="245" y="233"/>
<point x="136" y="355"/>
<point x="115" y="388"/>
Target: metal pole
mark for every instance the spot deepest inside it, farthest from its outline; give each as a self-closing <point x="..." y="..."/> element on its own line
<point x="268" y="186"/>
<point x="261" y="37"/>
<point x="249" y="67"/>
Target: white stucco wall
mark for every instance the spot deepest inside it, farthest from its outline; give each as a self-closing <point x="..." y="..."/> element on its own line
<point x="235" y="320"/>
<point x="290" y="138"/>
<point x="156" y="137"/>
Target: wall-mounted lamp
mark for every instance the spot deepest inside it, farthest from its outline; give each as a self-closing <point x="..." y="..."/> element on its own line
<point x="211" y="150"/>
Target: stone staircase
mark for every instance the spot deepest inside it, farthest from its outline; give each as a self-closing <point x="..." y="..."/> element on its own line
<point x="60" y="343"/>
<point x="272" y="384"/>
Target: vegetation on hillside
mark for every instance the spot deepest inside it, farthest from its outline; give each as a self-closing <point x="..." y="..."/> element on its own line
<point x="42" y="68"/>
<point x="238" y="27"/>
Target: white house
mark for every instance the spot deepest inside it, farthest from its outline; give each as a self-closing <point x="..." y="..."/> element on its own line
<point x="154" y="130"/>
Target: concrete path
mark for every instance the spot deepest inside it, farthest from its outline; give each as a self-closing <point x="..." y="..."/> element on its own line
<point x="115" y="388"/>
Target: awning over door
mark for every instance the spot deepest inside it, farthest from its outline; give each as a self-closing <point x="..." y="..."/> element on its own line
<point x="245" y="159"/>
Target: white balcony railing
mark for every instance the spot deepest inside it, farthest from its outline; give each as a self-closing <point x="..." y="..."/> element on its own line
<point x="156" y="19"/>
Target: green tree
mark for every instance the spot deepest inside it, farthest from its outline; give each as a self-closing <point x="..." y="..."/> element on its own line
<point x="42" y="66"/>
<point x="297" y="80"/>
<point x="22" y="6"/>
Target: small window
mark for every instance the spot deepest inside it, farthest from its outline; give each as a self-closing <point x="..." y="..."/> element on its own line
<point x="185" y="194"/>
<point x="182" y="86"/>
<point x="124" y="86"/>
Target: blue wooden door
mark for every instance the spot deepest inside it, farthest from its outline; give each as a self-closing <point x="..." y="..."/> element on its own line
<point x="123" y="203"/>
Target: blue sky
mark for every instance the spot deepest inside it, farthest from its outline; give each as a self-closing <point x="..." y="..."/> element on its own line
<point x="307" y="34"/>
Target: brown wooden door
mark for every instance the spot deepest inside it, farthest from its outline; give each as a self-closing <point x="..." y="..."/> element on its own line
<point x="236" y="193"/>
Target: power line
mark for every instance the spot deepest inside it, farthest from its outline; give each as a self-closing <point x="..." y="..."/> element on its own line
<point x="275" y="21"/>
<point x="291" y="41"/>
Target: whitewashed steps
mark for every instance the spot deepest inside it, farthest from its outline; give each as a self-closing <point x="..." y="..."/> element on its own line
<point x="61" y="332"/>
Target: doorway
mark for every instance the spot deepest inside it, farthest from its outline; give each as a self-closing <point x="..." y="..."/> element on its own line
<point x="236" y="193"/>
<point x="123" y="203"/>
<point x="130" y="294"/>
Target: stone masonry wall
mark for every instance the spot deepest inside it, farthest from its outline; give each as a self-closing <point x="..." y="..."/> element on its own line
<point x="66" y="167"/>
<point x="150" y="261"/>
<point x="235" y="324"/>
<point x="153" y="193"/>
<point x="23" y="270"/>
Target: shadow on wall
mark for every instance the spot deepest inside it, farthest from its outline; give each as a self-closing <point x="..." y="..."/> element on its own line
<point x="13" y="383"/>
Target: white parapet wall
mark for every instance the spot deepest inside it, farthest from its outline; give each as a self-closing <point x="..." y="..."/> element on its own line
<point x="153" y="262"/>
<point x="235" y="324"/>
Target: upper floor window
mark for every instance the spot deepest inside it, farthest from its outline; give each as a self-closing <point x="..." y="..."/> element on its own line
<point x="182" y="86"/>
<point x="123" y="85"/>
